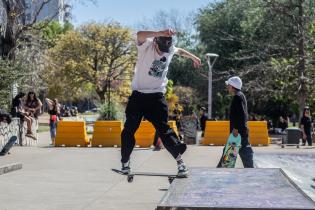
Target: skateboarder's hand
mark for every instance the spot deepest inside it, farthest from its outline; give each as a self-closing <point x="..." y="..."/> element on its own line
<point x="167" y="32"/>
<point x="235" y="132"/>
<point x="197" y="62"/>
<point x="304" y="136"/>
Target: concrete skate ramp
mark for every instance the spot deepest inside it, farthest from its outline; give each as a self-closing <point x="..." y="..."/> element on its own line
<point x="235" y="189"/>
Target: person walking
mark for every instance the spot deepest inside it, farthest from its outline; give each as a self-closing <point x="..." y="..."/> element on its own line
<point x="306" y="127"/>
<point x="238" y="120"/>
<point x="202" y="120"/>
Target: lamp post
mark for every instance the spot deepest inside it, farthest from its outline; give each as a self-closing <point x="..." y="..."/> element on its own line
<point x="210" y="64"/>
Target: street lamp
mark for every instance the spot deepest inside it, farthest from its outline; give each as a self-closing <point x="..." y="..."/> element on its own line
<point x="210" y="64"/>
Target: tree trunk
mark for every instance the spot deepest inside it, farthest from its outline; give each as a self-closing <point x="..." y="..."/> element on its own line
<point x="7" y="42"/>
<point x="101" y="94"/>
<point x="302" y="91"/>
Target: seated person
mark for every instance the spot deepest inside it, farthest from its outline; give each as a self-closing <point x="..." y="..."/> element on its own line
<point x="33" y="104"/>
<point x="67" y="112"/>
<point x="18" y="110"/>
<point x="5" y="117"/>
<point x="282" y="124"/>
<point x="74" y="111"/>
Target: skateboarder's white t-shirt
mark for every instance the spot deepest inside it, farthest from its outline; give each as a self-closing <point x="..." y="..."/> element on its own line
<point x="151" y="68"/>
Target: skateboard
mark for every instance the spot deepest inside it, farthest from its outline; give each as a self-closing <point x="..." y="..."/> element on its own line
<point x="130" y="176"/>
<point x="5" y="150"/>
<point x="230" y="152"/>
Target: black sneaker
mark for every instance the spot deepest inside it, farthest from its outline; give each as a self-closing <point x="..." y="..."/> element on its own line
<point x="125" y="168"/>
<point x="182" y="169"/>
<point x="157" y="148"/>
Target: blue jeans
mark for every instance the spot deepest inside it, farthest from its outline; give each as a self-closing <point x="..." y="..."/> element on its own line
<point x="53" y="126"/>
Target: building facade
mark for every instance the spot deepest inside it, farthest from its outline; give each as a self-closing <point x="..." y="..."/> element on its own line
<point x="46" y="10"/>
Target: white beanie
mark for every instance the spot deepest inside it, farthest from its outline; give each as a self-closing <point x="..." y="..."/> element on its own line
<point x="236" y="82"/>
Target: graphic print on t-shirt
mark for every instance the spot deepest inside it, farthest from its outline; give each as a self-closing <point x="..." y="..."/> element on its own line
<point x="157" y="68"/>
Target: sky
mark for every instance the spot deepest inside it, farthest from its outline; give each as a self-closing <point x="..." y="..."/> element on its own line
<point x="131" y="12"/>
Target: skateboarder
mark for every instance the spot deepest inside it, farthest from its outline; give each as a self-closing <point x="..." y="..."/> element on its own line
<point x="155" y="52"/>
<point x="238" y="120"/>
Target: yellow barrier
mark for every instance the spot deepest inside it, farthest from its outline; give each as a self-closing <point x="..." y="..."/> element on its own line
<point x="72" y="134"/>
<point x="172" y="124"/>
<point x="216" y="133"/>
<point x="145" y="134"/>
<point x="258" y="133"/>
<point x="107" y="133"/>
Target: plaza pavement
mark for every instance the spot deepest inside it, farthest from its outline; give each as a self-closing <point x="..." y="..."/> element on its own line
<point x="81" y="178"/>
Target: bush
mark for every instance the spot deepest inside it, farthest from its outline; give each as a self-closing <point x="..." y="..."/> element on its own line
<point x="112" y="111"/>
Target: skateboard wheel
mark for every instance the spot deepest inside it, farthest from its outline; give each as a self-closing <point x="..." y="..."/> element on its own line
<point x="298" y="146"/>
<point x="130" y="179"/>
<point x="282" y="146"/>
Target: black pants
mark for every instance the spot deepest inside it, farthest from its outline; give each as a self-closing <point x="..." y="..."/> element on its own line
<point x="246" y="154"/>
<point x="154" y="108"/>
<point x="308" y="139"/>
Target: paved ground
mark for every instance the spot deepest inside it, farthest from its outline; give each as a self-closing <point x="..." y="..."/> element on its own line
<point x="80" y="178"/>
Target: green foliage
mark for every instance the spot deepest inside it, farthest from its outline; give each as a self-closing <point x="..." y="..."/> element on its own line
<point x="101" y="56"/>
<point x="8" y="74"/>
<point x="17" y="72"/>
<point x="169" y="90"/>
<point x="259" y="41"/>
<point x="52" y="31"/>
<point x="188" y="99"/>
<point x="110" y="111"/>
<point x="221" y="105"/>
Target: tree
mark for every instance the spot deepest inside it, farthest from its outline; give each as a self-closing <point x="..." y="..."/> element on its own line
<point x="300" y="13"/>
<point x="96" y="54"/>
<point x="22" y="49"/>
<point x="23" y="72"/>
<point x="256" y="41"/>
<point x="14" y="28"/>
<point x="187" y="98"/>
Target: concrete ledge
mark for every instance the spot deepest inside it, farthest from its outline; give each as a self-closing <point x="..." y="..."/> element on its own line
<point x="10" y="167"/>
<point x="235" y="189"/>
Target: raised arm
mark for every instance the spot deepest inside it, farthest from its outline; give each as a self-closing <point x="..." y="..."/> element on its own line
<point x="143" y="35"/>
<point x="49" y="103"/>
<point x="194" y="58"/>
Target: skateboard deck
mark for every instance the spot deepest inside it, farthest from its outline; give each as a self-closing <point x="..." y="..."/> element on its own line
<point x="130" y="176"/>
<point x="230" y="152"/>
<point x="5" y="150"/>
